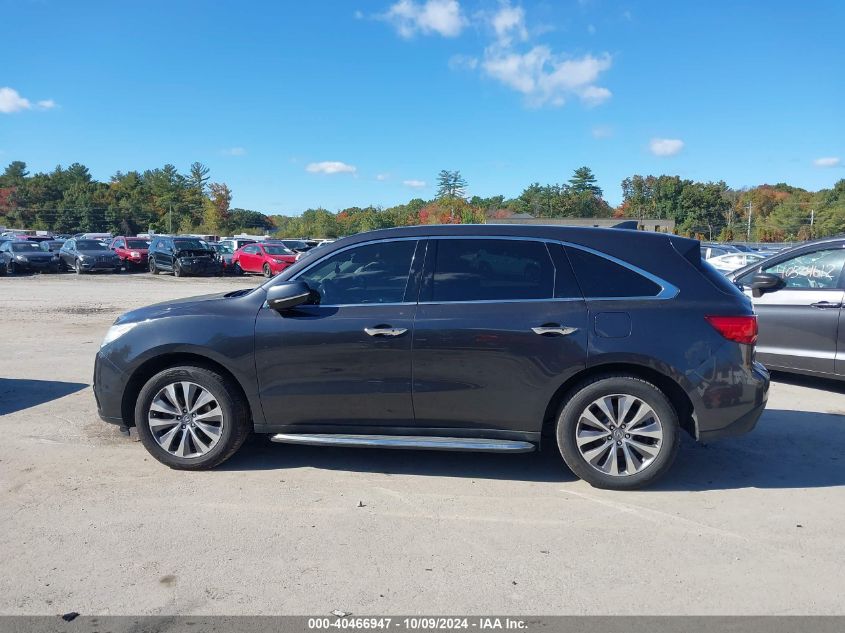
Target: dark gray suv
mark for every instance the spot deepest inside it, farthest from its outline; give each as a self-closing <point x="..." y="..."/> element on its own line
<point x="478" y="338"/>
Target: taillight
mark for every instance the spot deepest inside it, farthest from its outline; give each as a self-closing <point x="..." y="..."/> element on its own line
<point x="740" y="329"/>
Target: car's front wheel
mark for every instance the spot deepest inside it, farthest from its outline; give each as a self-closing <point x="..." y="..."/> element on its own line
<point x="78" y="267"/>
<point x="191" y="418"/>
<point x="153" y="267"/>
<point x="618" y="432"/>
<point x="268" y="272"/>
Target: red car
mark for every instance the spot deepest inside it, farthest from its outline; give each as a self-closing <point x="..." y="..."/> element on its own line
<point x="132" y="251"/>
<point x="269" y="259"/>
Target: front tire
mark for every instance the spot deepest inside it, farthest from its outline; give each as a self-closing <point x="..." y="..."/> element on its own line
<point x="191" y="418"/>
<point x="77" y="266"/>
<point x="267" y="271"/>
<point x="618" y="432"/>
<point x="236" y="268"/>
<point x="177" y="270"/>
<point x="153" y="267"/>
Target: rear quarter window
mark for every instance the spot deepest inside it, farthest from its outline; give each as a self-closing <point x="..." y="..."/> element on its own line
<point x="601" y="278"/>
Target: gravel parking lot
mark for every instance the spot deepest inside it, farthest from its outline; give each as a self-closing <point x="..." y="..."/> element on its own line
<point x="90" y="523"/>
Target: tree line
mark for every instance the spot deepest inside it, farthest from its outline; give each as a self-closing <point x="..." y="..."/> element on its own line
<point x="68" y="200"/>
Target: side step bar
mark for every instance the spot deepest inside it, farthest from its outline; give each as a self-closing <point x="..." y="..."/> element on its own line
<point x="406" y="441"/>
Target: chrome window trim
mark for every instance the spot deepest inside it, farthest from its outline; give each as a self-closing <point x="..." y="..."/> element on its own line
<point x="667" y="290"/>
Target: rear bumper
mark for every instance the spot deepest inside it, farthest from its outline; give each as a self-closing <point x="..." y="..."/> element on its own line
<point x="733" y="409"/>
<point x="109" y="384"/>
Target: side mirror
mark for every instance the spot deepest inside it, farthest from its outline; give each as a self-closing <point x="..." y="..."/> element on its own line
<point x="284" y="296"/>
<point x="764" y="282"/>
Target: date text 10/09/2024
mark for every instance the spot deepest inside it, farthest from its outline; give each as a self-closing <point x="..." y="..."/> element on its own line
<point x="418" y="623"/>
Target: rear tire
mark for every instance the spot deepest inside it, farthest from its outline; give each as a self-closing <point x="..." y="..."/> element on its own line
<point x="630" y="448"/>
<point x="223" y="396"/>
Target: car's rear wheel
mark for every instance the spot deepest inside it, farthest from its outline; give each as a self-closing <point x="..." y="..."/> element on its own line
<point x="153" y="267"/>
<point x="267" y="271"/>
<point x="618" y="432"/>
<point x="191" y="418"/>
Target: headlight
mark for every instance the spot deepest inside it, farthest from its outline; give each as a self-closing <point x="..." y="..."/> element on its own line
<point x="21" y="258"/>
<point x="134" y="254"/>
<point x="115" y="332"/>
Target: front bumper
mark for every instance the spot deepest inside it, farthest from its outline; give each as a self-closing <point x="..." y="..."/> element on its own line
<point x="37" y="266"/>
<point x="110" y="264"/>
<point x="199" y="266"/>
<point x="109" y="385"/>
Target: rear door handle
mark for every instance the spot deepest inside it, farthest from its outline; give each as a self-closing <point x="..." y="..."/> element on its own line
<point x="825" y="305"/>
<point x="385" y="331"/>
<point x="555" y="330"/>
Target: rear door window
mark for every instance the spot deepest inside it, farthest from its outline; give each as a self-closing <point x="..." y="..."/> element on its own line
<point x="491" y="270"/>
<point x="601" y="278"/>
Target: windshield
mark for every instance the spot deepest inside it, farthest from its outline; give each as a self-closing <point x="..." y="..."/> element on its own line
<point x="137" y="244"/>
<point x="25" y="246"/>
<point x="223" y="248"/>
<point x="190" y="245"/>
<point x="277" y="249"/>
<point x="295" y="244"/>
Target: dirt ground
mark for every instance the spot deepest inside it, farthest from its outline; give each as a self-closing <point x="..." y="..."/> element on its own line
<point x="90" y="523"/>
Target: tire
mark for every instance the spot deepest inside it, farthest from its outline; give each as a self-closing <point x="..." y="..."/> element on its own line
<point x="267" y="271"/>
<point x="236" y="269"/>
<point x="640" y="460"/>
<point x="234" y="420"/>
<point x="153" y="267"/>
<point x="77" y="266"/>
<point x="177" y="270"/>
<point x="12" y="268"/>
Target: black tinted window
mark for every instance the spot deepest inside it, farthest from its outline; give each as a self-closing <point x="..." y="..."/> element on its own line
<point x="492" y="270"/>
<point x="373" y="273"/>
<point x="601" y="278"/>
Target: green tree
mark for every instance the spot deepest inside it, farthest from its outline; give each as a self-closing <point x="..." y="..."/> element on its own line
<point x="583" y="181"/>
<point x="450" y="184"/>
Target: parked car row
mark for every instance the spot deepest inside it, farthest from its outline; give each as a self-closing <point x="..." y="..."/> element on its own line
<point x="180" y="255"/>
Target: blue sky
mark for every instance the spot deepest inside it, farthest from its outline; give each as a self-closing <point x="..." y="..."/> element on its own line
<point x="300" y="104"/>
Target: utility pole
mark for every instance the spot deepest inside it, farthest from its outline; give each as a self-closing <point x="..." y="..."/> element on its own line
<point x="812" y="222"/>
<point x="748" y="234"/>
<point x="171" y="219"/>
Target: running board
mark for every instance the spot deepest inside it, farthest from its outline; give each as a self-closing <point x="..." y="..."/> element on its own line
<point x="406" y="441"/>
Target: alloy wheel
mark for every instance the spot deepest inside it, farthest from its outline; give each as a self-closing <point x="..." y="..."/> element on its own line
<point x="185" y="419"/>
<point x="619" y="434"/>
<point x="267" y="271"/>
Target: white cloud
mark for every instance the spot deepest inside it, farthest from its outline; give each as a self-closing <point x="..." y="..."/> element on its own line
<point x="545" y="78"/>
<point x="443" y="17"/>
<point x="11" y="101"/>
<point x="463" y="62"/>
<point x="602" y="131"/>
<point x="331" y="167"/>
<point x="665" y="146"/>
<point x="827" y="161"/>
<point x="382" y="177"/>
<point x="414" y="184"/>
<point x="509" y="23"/>
<point x="234" y="151"/>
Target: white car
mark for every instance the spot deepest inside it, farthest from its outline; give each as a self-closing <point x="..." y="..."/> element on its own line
<point x="734" y="261"/>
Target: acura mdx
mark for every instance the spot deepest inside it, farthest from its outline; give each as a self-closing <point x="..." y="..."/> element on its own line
<point x="604" y="342"/>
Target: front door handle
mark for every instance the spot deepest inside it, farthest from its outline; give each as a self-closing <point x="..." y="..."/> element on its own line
<point x="826" y="305"/>
<point x="555" y="330"/>
<point x="385" y="331"/>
